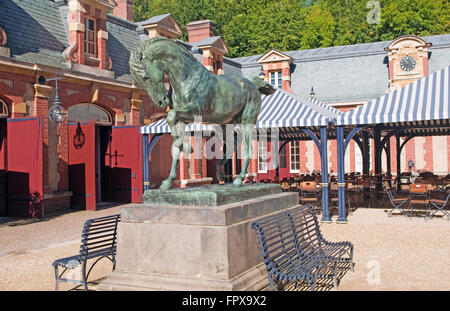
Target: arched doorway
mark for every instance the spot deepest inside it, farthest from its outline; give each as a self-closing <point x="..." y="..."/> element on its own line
<point x="89" y="135"/>
<point x="105" y="161"/>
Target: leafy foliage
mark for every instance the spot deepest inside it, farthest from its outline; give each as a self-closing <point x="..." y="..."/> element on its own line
<point x="252" y="27"/>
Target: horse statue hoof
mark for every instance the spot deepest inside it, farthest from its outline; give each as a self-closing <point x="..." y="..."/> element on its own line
<point x="237" y="182"/>
<point x="165" y="185"/>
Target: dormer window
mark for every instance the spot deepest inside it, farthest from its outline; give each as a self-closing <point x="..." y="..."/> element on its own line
<point x="276" y="79"/>
<point x="90" y="46"/>
<point x="277" y="69"/>
<point x="216" y="66"/>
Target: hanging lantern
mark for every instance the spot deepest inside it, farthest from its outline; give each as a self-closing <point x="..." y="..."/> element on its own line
<point x="57" y="113"/>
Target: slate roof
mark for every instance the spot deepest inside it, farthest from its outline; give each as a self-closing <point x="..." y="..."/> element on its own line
<point x="343" y="50"/>
<point x="123" y="38"/>
<point x="42" y="36"/>
<point x="153" y="19"/>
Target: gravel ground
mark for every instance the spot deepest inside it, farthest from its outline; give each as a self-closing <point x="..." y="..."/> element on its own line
<point x="391" y="253"/>
<point x="28" y="248"/>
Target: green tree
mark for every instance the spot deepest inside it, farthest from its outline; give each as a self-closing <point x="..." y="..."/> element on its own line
<point x="414" y="17"/>
<point x="319" y="28"/>
<point x="252" y="27"/>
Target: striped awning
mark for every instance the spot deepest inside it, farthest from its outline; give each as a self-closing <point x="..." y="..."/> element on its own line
<point x="330" y="109"/>
<point x="279" y="110"/>
<point x="162" y="127"/>
<point x="423" y="100"/>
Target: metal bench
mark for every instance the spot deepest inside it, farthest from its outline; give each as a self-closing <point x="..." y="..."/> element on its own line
<point x="98" y="240"/>
<point x="294" y="250"/>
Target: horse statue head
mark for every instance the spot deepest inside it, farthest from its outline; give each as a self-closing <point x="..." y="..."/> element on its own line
<point x="149" y="76"/>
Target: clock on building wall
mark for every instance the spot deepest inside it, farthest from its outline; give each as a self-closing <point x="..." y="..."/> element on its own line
<point x="407" y="63"/>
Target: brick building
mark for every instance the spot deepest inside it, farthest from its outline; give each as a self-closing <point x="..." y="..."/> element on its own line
<point x="88" y="43"/>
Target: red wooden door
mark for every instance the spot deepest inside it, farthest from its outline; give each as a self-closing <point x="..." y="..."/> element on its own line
<point x="3" y="210"/>
<point x="82" y="164"/>
<point x="24" y="167"/>
<point x="125" y="164"/>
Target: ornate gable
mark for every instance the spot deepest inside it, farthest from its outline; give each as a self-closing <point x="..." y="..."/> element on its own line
<point x="216" y="44"/>
<point x="274" y="56"/>
<point x="164" y="26"/>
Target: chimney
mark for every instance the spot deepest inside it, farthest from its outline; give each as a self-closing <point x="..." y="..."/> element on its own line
<point x="199" y="30"/>
<point x="124" y="9"/>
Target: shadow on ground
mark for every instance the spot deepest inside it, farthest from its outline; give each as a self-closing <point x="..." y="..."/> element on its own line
<point x="322" y="284"/>
<point x="13" y="222"/>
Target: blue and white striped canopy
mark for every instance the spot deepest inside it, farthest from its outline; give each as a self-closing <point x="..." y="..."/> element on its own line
<point x="330" y="109"/>
<point x="426" y="100"/>
<point x="162" y="127"/>
<point x="279" y="110"/>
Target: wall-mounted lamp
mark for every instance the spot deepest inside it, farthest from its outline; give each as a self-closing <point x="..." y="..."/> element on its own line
<point x="57" y="113"/>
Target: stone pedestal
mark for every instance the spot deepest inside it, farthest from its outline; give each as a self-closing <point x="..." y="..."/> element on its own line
<point x="168" y="246"/>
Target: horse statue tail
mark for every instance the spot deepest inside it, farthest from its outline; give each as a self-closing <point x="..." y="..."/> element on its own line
<point x="262" y="86"/>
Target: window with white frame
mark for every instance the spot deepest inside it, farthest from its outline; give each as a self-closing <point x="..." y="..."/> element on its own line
<point x="90" y="42"/>
<point x="262" y="156"/>
<point x="89" y="112"/>
<point x="276" y="79"/>
<point x="294" y="155"/>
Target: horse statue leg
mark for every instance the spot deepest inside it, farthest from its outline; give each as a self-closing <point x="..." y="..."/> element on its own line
<point x="219" y="166"/>
<point x="247" y="133"/>
<point x="177" y="129"/>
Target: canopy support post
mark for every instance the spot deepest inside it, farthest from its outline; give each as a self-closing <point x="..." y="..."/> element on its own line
<point x="342" y="217"/>
<point x="366" y="153"/>
<point x="378" y="148"/>
<point x="147" y="149"/>
<point x="145" y="161"/>
<point x="397" y="154"/>
<point x="324" y="184"/>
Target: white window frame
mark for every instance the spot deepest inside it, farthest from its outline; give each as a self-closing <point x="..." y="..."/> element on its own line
<point x="262" y="154"/>
<point x="294" y="149"/>
<point x="73" y="113"/>
<point x="276" y="79"/>
<point x="86" y="36"/>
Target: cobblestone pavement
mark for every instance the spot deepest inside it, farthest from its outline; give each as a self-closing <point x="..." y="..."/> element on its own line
<point x="391" y="253"/>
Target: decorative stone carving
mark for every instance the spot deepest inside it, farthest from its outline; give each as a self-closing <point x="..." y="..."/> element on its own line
<point x="42" y="90"/>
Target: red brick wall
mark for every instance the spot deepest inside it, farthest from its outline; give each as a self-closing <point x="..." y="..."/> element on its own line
<point x="124" y="9"/>
<point x="56" y="204"/>
<point x="428" y="153"/>
<point x="410" y="151"/>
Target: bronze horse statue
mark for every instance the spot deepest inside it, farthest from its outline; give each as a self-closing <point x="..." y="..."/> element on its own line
<point x="194" y="91"/>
